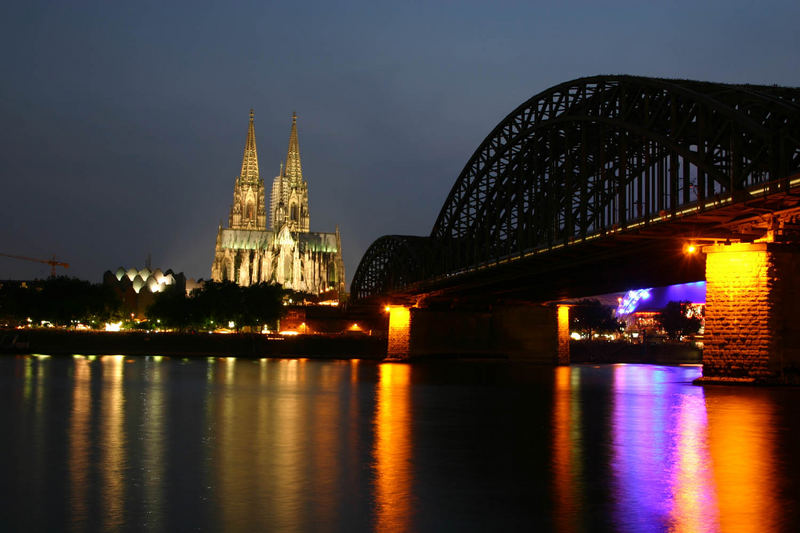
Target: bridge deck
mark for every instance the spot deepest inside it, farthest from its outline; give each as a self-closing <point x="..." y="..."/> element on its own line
<point x="641" y="255"/>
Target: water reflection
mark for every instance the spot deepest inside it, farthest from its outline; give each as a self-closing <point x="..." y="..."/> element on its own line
<point x="640" y="443"/>
<point x="293" y="445"/>
<point x="112" y="442"/>
<point x="741" y="433"/>
<point x="393" y="448"/>
<point x="567" y="451"/>
<point x="154" y="434"/>
<point x="694" y="504"/>
<point x="288" y="417"/>
<point x="240" y="458"/>
<point x="280" y="442"/>
<point x="688" y="459"/>
<point x="326" y="447"/>
<point x="79" y="443"/>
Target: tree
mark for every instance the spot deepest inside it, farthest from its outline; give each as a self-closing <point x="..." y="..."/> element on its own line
<point x="591" y="316"/>
<point x="218" y="303"/>
<point x="61" y="300"/>
<point x="674" y="320"/>
<point x="262" y="303"/>
<point x="15" y="302"/>
<point x="172" y="308"/>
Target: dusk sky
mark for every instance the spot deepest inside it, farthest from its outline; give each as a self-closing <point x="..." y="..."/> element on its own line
<point x="123" y="123"/>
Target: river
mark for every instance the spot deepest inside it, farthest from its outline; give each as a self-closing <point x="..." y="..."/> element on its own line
<point x="120" y="443"/>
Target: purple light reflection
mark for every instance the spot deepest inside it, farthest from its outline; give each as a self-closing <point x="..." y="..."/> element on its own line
<point x="661" y="468"/>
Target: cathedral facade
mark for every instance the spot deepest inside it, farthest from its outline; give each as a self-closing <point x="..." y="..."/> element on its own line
<point x="287" y="252"/>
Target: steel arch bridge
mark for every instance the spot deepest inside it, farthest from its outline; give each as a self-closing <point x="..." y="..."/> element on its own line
<point x="390" y="264"/>
<point x="595" y="156"/>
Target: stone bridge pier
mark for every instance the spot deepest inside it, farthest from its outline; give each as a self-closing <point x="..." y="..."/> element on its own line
<point x="520" y="331"/>
<point x="752" y="331"/>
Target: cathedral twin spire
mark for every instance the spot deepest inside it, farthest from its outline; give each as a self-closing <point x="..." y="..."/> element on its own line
<point x="250" y="160"/>
<point x="293" y="170"/>
<point x="247" y="252"/>
<point x="289" y="199"/>
<point x="289" y="205"/>
<point x="248" y="210"/>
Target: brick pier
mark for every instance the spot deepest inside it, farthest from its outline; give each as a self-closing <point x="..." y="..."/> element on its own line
<point x="752" y="331"/>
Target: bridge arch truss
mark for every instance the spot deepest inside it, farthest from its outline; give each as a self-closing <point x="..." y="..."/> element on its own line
<point x="607" y="153"/>
<point x="391" y="263"/>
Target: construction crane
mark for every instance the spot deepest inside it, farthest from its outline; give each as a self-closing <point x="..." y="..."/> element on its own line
<point x="52" y="262"/>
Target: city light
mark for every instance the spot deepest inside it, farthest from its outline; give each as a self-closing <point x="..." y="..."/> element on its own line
<point x="399" y="331"/>
<point x="563" y="334"/>
<point x="631" y="300"/>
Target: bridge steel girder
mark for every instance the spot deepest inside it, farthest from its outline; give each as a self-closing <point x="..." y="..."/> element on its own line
<point x="598" y="155"/>
<point x="390" y="264"/>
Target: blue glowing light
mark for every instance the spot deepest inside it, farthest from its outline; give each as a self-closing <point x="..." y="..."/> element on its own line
<point x="631" y="300"/>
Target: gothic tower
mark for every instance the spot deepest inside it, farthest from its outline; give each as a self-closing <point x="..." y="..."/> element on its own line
<point x="289" y="203"/>
<point x="288" y="254"/>
<point x="248" y="210"/>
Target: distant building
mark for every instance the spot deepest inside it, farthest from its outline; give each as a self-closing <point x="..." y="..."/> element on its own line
<point x="192" y="284"/>
<point x="287" y="253"/>
<point x="137" y="288"/>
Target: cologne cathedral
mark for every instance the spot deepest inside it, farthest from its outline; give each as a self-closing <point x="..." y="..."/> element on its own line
<point x="287" y="253"/>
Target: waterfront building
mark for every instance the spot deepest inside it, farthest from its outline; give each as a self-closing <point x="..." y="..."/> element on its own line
<point x="136" y="288"/>
<point x="287" y="252"/>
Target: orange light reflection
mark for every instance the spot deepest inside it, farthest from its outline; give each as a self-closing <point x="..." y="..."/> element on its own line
<point x="694" y="506"/>
<point x="393" y="448"/>
<point x="113" y="441"/>
<point x="79" y="443"/>
<point x="566" y="450"/>
<point x="743" y="456"/>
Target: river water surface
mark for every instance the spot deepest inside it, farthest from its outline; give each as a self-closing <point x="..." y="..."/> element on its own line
<point x="118" y="443"/>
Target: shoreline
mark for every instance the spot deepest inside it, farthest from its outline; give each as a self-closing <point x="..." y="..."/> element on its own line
<point x="58" y="342"/>
<point x="172" y="344"/>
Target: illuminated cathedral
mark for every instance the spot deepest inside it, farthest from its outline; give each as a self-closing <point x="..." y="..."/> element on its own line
<point x="287" y="253"/>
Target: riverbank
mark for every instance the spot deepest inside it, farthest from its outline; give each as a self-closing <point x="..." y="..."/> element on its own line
<point x="64" y="342"/>
<point x="346" y="346"/>
<point x="663" y="353"/>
